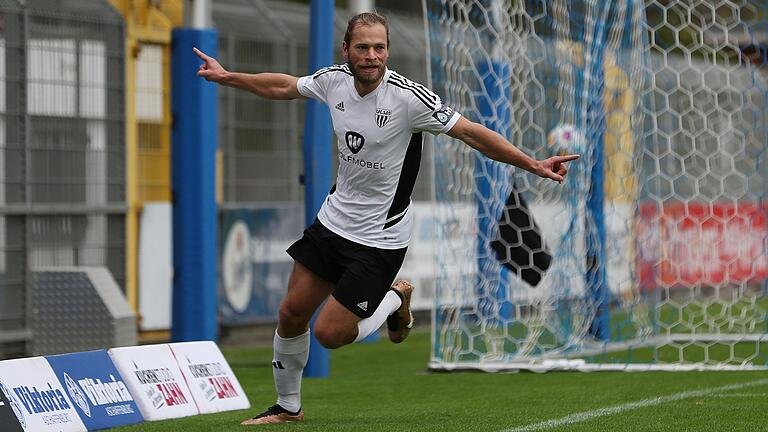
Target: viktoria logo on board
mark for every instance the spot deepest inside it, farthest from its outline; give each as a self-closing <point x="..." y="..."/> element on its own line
<point x="96" y="389"/>
<point x="39" y="401"/>
<point x="76" y="394"/>
<point x="88" y="392"/>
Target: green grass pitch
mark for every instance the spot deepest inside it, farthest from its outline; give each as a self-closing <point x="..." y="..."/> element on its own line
<point x="384" y="387"/>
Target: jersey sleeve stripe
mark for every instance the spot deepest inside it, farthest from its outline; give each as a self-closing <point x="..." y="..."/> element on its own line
<point x="426" y="95"/>
<point x="335" y="68"/>
<point x="430" y="105"/>
<point x="409" y="81"/>
<point x="405" y="81"/>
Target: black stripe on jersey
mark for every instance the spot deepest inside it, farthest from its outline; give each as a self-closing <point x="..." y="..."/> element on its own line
<point x="334" y="68"/>
<point x="415" y="93"/>
<point x="325" y="69"/>
<point x="405" y="80"/>
<point x="423" y="96"/>
<point x="408" y="83"/>
<point x="407" y="180"/>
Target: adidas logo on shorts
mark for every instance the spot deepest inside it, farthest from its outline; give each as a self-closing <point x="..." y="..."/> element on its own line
<point x="363" y="305"/>
<point x="340" y="106"/>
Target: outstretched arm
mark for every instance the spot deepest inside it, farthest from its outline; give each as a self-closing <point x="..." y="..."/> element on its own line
<point x="274" y="86"/>
<point x="497" y="148"/>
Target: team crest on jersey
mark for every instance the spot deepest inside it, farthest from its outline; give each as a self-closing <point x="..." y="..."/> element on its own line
<point x="355" y="141"/>
<point x="382" y="116"/>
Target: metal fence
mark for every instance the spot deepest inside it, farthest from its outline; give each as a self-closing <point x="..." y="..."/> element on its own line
<point x="260" y="139"/>
<point x="62" y="145"/>
<point x="63" y="130"/>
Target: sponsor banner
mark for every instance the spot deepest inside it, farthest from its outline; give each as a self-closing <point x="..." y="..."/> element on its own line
<point x="211" y="380"/>
<point x="7" y="415"/>
<point x="254" y="265"/>
<point x="684" y="244"/>
<point x="155" y="381"/>
<point x="36" y="396"/>
<point x="96" y="388"/>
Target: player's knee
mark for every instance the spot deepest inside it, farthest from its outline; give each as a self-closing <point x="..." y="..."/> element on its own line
<point x="291" y="317"/>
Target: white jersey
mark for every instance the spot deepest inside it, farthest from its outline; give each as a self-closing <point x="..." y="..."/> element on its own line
<point x="379" y="137"/>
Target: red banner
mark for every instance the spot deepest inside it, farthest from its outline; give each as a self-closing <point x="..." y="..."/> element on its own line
<point x="685" y="244"/>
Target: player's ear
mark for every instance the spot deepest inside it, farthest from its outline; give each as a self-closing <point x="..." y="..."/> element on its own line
<point x="345" y="50"/>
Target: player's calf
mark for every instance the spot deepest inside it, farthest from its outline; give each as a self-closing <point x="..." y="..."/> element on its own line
<point x="336" y="325"/>
<point x="334" y="337"/>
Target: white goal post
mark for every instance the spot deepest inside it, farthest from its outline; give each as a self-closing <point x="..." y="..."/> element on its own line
<point x="653" y="254"/>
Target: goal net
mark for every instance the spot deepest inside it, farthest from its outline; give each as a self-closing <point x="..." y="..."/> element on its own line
<point x="653" y="253"/>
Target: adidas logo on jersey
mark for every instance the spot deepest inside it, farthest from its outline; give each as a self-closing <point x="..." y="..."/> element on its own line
<point x="340" y="106"/>
<point x="363" y="305"/>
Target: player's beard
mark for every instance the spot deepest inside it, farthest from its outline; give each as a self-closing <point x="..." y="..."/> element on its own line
<point x="366" y="79"/>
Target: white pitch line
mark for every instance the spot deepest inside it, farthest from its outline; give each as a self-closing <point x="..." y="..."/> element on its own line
<point x="739" y="395"/>
<point x="602" y="412"/>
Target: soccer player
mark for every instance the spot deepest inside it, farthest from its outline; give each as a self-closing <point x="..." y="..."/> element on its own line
<point x="354" y="249"/>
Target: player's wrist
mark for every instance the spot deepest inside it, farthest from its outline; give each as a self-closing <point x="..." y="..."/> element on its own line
<point x="531" y="165"/>
<point x="227" y="78"/>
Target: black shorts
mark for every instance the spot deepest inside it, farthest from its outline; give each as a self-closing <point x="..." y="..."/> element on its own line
<point x="362" y="274"/>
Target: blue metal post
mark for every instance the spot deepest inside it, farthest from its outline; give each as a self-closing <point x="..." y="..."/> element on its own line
<point x="193" y="153"/>
<point x="317" y="148"/>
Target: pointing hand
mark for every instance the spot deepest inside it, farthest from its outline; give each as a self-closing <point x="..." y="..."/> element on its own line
<point x="555" y="168"/>
<point x="211" y="69"/>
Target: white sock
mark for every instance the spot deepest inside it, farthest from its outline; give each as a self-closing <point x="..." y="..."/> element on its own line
<point x="289" y="358"/>
<point x="387" y="307"/>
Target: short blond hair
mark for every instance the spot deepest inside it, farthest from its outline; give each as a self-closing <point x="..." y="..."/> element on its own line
<point x="365" y="18"/>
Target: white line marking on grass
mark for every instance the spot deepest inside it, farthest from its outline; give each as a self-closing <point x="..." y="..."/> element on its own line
<point x="739" y="395"/>
<point x="602" y="412"/>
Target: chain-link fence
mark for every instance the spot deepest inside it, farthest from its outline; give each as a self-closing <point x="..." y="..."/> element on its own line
<point x="62" y="145"/>
<point x="63" y="129"/>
